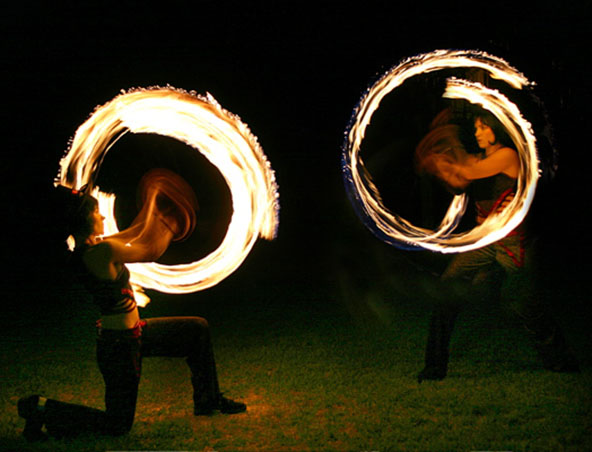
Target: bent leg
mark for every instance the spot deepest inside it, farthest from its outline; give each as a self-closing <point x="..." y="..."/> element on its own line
<point x="118" y="357"/>
<point x="520" y="289"/>
<point x="542" y="327"/>
<point x="185" y="337"/>
<point x="119" y="360"/>
<point x="61" y="419"/>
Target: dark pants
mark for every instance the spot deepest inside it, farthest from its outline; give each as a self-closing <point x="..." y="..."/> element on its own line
<point x="518" y="287"/>
<point x="119" y="355"/>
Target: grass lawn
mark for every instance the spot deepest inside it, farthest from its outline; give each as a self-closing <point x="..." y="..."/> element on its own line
<point x="320" y="369"/>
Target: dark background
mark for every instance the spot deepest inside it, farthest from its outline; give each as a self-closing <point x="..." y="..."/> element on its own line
<point x="293" y="72"/>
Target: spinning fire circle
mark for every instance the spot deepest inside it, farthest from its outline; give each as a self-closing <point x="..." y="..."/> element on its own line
<point x="222" y="138"/>
<point x="364" y="195"/>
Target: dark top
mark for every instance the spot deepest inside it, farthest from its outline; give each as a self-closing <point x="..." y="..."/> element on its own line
<point x="111" y="296"/>
<point x="488" y="193"/>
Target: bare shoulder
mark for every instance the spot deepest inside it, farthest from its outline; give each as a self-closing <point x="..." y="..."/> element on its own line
<point x="508" y="152"/>
<point x="511" y="155"/>
<point x="98" y="259"/>
<point x="510" y="160"/>
<point x="99" y="251"/>
<point x="505" y="156"/>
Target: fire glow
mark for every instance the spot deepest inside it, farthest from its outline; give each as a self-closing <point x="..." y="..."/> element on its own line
<point x="200" y="122"/>
<point x="365" y="197"/>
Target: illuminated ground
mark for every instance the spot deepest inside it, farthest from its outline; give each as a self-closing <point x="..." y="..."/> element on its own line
<point x="325" y="364"/>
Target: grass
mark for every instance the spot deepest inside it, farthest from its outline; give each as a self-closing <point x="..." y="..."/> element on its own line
<point x="318" y="368"/>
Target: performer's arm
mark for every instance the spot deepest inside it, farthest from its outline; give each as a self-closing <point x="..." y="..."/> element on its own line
<point x="147" y="245"/>
<point x="504" y="160"/>
<point x="448" y="171"/>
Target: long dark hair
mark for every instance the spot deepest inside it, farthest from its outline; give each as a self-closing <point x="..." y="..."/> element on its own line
<point x="76" y="208"/>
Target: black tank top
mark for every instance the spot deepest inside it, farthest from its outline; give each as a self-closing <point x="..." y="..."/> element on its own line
<point x="489" y="192"/>
<point x="111" y="296"/>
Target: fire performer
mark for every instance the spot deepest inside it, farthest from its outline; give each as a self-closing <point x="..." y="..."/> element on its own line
<point x="490" y="179"/>
<point x="168" y="214"/>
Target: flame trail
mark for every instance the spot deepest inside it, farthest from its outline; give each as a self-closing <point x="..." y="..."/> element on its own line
<point x="365" y="197"/>
<point x="200" y="122"/>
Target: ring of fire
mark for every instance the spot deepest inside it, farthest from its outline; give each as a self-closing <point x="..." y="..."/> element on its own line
<point x="200" y="122"/>
<point x="395" y="230"/>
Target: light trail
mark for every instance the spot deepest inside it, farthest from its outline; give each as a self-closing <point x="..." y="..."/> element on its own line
<point x="200" y="122"/>
<point x="365" y="197"/>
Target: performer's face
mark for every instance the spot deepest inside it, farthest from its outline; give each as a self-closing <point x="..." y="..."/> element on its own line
<point x="484" y="134"/>
<point x="97" y="222"/>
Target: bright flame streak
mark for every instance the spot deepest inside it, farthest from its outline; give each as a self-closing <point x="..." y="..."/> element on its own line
<point x="498" y="225"/>
<point x="397" y="230"/>
<point x="221" y="137"/>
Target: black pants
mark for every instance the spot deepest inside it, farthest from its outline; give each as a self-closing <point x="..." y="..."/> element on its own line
<point x="119" y="355"/>
<point x="518" y="289"/>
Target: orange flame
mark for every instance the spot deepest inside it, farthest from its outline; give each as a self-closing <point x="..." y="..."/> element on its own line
<point x="496" y="226"/>
<point x="221" y="137"/>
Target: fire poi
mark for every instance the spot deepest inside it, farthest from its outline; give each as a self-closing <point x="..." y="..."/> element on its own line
<point x="364" y="195"/>
<point x="221" y="137"/>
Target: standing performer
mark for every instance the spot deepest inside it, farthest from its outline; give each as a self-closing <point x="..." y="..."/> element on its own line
<point x="168" y="214"/>
<point x="490" y="180"/>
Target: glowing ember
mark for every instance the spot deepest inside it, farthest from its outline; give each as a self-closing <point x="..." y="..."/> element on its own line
<point x="365" y="196"/>
<point x="221" y="137"/>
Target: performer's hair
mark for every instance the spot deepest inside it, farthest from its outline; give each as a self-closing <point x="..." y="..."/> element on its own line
<point x="77" y="207"/>
<point x="488" y="119"/>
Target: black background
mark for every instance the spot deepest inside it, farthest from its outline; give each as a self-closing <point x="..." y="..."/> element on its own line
<point x="293" y="72"/>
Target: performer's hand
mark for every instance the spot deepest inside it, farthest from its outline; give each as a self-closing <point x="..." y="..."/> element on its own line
<point x="449" y="171"/>
<point x="444" y="165"/>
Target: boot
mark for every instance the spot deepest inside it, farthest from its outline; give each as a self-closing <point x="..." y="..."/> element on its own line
<point x="555" y="354"/>
<point x="440" y="332"/>
<point x="222" y="404"/>
<point x="29" y="409"/>
<point x="550" y="343"/>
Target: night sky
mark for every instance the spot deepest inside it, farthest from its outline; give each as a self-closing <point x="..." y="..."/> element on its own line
<point x="293" y="73"/>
